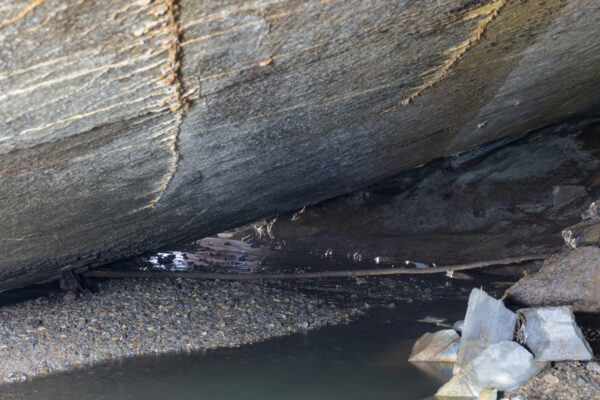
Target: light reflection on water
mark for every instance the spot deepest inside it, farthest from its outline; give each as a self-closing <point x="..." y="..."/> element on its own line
<point x="225" y="254"/>
<point x="365" y="360"/>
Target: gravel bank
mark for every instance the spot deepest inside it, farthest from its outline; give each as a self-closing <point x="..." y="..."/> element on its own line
<point x="129" y="318"/>
<point x="125" y="318"/>
<point x="565" y="381"/>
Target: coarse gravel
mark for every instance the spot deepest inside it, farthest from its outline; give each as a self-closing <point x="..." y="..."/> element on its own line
<point x="126" y="318"/>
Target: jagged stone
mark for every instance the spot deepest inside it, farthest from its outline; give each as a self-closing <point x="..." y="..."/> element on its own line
<point x="592" y="212"/>
<point x="583" y="234"/>
<point x="436" y="346"/>
<point x="505" y="366"/>
<point x="567" y="279"/>
<point x="487" y="321"/>
<point x="552" y="334"/>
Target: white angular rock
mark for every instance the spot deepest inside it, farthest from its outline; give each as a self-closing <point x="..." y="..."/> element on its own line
<point x="505" y="366"/>
<point x="436" y="346"/>
<point x="553" y="335"/>
<point x="487" y="321"/>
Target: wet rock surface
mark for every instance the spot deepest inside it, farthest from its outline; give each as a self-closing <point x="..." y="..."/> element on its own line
<point x="569" y="278"/>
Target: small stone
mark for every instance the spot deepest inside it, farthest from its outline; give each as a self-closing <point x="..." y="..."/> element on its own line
<point x="68" y="281"/>
<point x="593" y="367"/>
<point x="69" y="297"/>
<point x="551" y="379"/>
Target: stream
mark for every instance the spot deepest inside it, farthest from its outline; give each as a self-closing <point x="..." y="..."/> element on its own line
<point x="363" y="360"/>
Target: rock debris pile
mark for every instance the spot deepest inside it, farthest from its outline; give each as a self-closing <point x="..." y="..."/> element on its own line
<point x="486" y="358"/>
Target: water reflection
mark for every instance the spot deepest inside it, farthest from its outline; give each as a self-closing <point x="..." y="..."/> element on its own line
<point x="224" y="253"/>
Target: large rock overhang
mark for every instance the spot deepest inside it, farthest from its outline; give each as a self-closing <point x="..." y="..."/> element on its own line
<point x="127" y="126"/>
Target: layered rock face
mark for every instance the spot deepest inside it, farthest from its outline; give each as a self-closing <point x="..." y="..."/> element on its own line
<point x="127" y="126"/>
<point x="505" y="199"/>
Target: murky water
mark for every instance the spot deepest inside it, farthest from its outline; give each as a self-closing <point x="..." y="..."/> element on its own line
<point x="363" y="360"/>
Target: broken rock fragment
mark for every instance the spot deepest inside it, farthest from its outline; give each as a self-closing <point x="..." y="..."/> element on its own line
<point x="504" y="366"/>
<point x="567" y="279"/>
<point x="553" y="335"/>
<point x="582" y="234"/>
<point x="436" y="346"/>
<point x="592" y="212"/>
<point x="487" y="321"/>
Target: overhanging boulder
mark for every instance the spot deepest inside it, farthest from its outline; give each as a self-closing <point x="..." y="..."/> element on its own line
<point x="129" y="126"/>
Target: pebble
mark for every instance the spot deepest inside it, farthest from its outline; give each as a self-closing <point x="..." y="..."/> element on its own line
<point x="593" y="367"/>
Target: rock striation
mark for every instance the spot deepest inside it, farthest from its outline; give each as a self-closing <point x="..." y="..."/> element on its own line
<point x="127" y="126"/>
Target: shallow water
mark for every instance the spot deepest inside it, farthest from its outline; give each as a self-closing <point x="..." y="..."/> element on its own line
<point x="363" y="360"/>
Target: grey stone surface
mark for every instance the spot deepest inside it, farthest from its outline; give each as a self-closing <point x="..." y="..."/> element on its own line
<point x="127" y="126"/>
<point x="592" y="212"/>
<point x="566" y="194"/>
<point x="567" y="279"/>
<point x="459" y="326"/>
<point x="433" y="346"/>
<point x="487" y="321"/>
<point x="504" y="366"/>
<point x="552" y="334"/>
<point x="480" y="205"/>
<point x="582" y="234"/>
